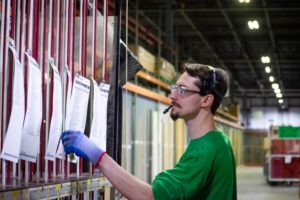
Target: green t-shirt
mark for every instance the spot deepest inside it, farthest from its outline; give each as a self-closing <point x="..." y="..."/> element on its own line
<point x="206" y="170"/>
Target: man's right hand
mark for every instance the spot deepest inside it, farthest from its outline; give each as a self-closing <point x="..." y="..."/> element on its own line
<point x="76" y="142"/>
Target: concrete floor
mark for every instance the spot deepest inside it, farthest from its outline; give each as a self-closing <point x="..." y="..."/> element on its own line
<point x="252" y="185"/>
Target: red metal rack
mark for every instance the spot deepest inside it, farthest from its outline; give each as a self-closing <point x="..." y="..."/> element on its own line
<point x="283" y="158"/>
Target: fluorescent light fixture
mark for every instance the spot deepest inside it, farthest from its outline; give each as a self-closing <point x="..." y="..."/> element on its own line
<point x="280" y="101"/>
<point x="244" y="1"/>
<point x="253" y="24"/>
<point x="276" y="91"/>
<point x="275" y="86"/>
<point x="271" y="79"/>
<point x="250" y="25"/>
<point x="279" y="95"/>
<point x="265" y="59"/>
<point x="267" y="69"/>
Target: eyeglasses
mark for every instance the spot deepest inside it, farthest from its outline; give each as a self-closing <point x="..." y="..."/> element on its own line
<point x="183" y="92"/>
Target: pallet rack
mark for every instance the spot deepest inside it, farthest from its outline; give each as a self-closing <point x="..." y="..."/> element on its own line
<point x="56" y="189"/>
<point x="283" y="159"/>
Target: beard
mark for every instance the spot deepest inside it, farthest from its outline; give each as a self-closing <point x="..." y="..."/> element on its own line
<point x="174" y="116"/>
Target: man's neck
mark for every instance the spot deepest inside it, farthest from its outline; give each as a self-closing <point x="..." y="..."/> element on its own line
<point x="200" y="125"/>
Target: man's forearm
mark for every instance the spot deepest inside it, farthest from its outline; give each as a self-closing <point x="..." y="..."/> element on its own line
<point x="128" y="185"/>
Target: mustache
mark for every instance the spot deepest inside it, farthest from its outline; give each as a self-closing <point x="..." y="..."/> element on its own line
<point x="174" y="103"/>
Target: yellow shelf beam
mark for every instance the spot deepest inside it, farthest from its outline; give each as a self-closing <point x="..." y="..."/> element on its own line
<point x="151" y="79"/>
<point x="147" y="93"/>
<point x="227" y="122"/>
<point x="227" y="115"/>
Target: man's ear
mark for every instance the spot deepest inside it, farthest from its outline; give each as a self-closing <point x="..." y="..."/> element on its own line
<point x="208" y="100"/>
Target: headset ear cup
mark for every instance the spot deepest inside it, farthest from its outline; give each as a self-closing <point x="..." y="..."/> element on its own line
<point x="209" y="85"/>
<point x="213" y="80"/>
<point x="205" y="87"/>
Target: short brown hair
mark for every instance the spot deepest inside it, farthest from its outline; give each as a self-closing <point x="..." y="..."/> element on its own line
<point x="212" y="80"/>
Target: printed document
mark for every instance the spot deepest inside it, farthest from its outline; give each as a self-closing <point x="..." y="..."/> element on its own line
<point x="56" y="120"/>
<point x="60" y="150"/>
<point x="76" y="116"/>
<point x="12" y="143"/>
<point x="33" y="118"/>
<point x="98" y="127"/>
<point x="79" y="104"/>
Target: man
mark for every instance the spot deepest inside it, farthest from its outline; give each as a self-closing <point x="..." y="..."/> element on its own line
<point x="206" y="170"/>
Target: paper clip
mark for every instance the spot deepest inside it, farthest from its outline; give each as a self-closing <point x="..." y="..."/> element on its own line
<point x="51" y="61"/>
<point x="78" y="73"/>
<point x="66" y="68"/>
<point x="11" y="42"/>
<point x="29" y="52"/>
<point x="91" y="4"/>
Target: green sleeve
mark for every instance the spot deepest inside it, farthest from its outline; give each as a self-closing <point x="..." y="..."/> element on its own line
<point x="187" y="178"/>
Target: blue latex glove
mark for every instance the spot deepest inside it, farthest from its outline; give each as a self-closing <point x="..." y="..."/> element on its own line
<point x="82" y="146"/>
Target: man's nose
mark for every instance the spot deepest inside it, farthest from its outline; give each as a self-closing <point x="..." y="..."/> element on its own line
<point x="172" y="95"/>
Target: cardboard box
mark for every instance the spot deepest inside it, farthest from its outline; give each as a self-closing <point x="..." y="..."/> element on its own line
<point x="165" y="69"/>
<point x="145" y="57"/>
<point x="234" y="109"/>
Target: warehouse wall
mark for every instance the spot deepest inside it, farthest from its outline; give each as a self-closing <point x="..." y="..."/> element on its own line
<point x="262" y="118"/>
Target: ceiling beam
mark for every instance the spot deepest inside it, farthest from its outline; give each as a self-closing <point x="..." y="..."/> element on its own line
<point x="237" y="39"/>
<point x="241" y="9"/>
<point x="207" y="44"/>
<point x="286" y="61"/>
<point x="272" y="91"/>
<point x="172" y="48"/>
<point x="266" y="95"/>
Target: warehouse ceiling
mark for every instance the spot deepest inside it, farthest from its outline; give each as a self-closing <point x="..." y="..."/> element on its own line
<point x="216" y="32"/>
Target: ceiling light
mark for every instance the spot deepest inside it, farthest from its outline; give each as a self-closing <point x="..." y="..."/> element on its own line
<point x="275" y="86"/>
<point x="280" y="101"/>
<point x="276" y="91"/>
<point x="253" y="24"/>
<point x="268" y="69"/>
<point x="244" y="1"/>
<point x="250" y="24"/>
<point x="265" y="59"/>
<point x="271" y="79"/>
<point x="279" y="95"/>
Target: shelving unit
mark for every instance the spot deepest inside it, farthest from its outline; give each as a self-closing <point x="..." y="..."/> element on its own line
<point x="284" y="158"/>
<point x="55" y="189"/>
<point x="151" y="79"/>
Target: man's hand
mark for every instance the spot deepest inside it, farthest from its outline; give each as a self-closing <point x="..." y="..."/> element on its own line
<point x="78" y="143"/>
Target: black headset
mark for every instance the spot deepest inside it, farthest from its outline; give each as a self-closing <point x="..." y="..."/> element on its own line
<point x="209" y="85"/>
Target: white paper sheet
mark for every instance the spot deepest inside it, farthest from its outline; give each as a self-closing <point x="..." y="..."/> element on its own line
<point x="33" y="118"/>
<point x="68" y="103"/>
<point x="76" y="116"/>
<point x="98" y="127"/>
<point x="79" y="103"/>
<point x="56" y="120"/>
<point x="60" y="150"/>
<point x="12" y="142"/>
